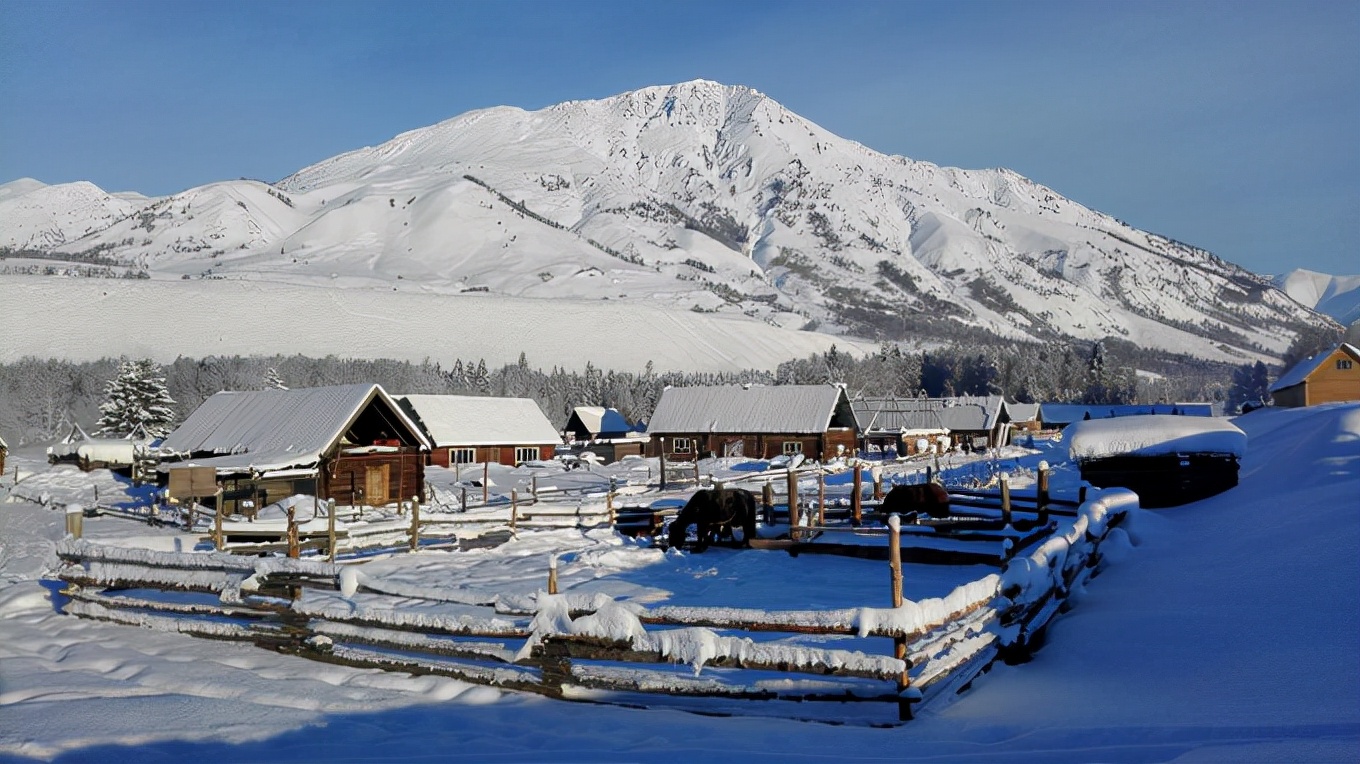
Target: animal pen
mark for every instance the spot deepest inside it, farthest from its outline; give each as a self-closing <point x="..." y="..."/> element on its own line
<point x="589" y="646"/>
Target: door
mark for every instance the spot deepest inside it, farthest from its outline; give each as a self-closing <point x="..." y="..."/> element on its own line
<point x="375" y="484"/>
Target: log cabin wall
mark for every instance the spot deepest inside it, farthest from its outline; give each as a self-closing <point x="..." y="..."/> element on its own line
<point x="765" y="445"/>
<point x="353" y="479"/>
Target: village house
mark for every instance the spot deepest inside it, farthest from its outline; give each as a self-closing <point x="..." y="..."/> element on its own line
<point x="1330" y="376"/>
<point x="351" y="443"/>
<point x="604" y="432"/>
<point x="755" y="421"/>
<point x="1057" y="416"/>
<point x="899" y="426"/>
<point x="466" y="429"/>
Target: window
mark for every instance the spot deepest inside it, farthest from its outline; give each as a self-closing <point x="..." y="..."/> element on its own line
<point x="525" y="454"/>
<point x="462" y="455"/>
<point x="793" y="447"/>
<point x="1343" y="363"/>
<point x="682" y="446"/>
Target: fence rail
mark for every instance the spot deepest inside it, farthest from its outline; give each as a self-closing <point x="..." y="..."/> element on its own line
<point x="583" y="646"/>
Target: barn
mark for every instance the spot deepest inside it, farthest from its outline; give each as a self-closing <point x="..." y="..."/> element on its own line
<point x="467" y="429"/>
<point x="1332" y="375"/>
<point x="755" y="421"/>
<point x="351" y="443"/>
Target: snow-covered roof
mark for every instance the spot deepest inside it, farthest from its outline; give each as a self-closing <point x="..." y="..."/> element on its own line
<point x="892" y="414"/>
<point x="750" y="408"/>
<point x="1301" y="370"/>
<point x="3" y="444"/>
<point x="1022" y="412"/>
<point x="465" y="420"/>
<point x="1066" y="413"/>
<point x="278" y="429"/>
<point x="1154" y="435"/>
<point x="598" y="419"/>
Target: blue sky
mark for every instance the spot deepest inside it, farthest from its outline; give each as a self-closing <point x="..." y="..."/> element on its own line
<point x="1232" y="126"/>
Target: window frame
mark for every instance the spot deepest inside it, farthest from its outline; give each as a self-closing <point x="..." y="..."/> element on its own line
<point x="682" y="445"/>
<point x="1344" y="364"/>
<point x="791" y="447"/>
<point x="457" y="451"/>
<point x="527" y="454"/>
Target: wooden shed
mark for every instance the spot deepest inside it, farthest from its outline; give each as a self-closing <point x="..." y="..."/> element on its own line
<point x="1167" y="460"/>
<point x="755" y="421"/>
<point x="1330" y="376"/>
<point x="900" y="426"/>
<point x="467" y="429"/>
<point x="351" y="443"/>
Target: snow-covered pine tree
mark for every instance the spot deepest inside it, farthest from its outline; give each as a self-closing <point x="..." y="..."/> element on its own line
<point x="136" y="396"/>
<point x="272" y="380"/>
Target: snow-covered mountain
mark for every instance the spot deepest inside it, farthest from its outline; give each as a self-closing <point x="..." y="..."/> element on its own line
<point x="709" y="198"/>
<point x="37" y="216"/>
<point x="1335" y="296"/>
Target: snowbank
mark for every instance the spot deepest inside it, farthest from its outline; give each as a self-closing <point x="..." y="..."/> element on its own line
<point x="1153" y="435"/>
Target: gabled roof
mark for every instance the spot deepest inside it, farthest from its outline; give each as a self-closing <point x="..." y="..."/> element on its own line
<point x="1023" y="412"/>
<point x="465" y="420"/>
<point x="749" y="409"/>
<point x="893" y="414"/>
<point x="1300" y="371"/>
<point x="598" y="419"/>
<point x="278" y="429"/>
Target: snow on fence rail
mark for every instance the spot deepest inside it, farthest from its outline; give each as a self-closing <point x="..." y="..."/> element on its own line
<point x="577" y="645"/>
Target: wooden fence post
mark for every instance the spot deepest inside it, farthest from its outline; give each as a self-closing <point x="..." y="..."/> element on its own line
<point x="877" y="474"/>
<point x="415" y="523"/>
<point x="792" y="482"/>
<point x="930" y="476"/>
<point x="533" y="487"/>
<point x="552" y="574"/>
<point x="217" y="521"/>
<point x="767" y="501"/>
<point x="857" y="498"/>
<point x="486" y="482"/>
<point x="293" y="549"/>
<point x="1042" y="495"/>
<point x="821" y="497"/>
<point x="696" y="470"/>
<point x="661" y="453"/>
<point x="899" y="641"/>
<point x="330" y="530"/>
<point x="1005" y="498"/>
<point x="464" y="501"/>
<point x="514" y="509"/>
<point x="609" y="501"/>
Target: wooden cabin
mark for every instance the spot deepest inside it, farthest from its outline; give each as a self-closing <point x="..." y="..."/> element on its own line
<point x="351" y="443"/>
<point x="895" y="426"/>
<point x="1330" y="376"/>
<point x="604" y="432"/>
<point x="1168" y="460"/>
<point x="754" y="421"/>
<point x="468" y="429"/>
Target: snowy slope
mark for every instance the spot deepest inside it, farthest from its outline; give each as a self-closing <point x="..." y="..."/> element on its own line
<point x="701" y="196"/>
<point x="86" y="319"/>
<point x="34" y="215"/>
<point x="1335" y="296"/>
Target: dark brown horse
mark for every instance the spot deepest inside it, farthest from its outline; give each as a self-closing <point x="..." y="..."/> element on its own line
<point x="715" y="512"/>
<point x="930" y="498"/>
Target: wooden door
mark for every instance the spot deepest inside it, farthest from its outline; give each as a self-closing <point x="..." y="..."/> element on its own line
<point x="375" y="484"/>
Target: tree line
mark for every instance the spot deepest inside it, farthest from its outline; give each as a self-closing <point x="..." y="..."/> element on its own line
<point x="40" y="399"/>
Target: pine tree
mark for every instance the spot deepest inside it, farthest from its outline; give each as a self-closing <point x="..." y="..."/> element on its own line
<point x="136" y="397"/>
<point x="272" y="380"/>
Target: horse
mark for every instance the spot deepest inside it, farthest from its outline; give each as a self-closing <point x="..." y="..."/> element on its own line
<point x="716" y="512"/>
<point x="930" y="498"/>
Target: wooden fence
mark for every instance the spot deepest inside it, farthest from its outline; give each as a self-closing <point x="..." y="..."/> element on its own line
<point x="590" y="647"/>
